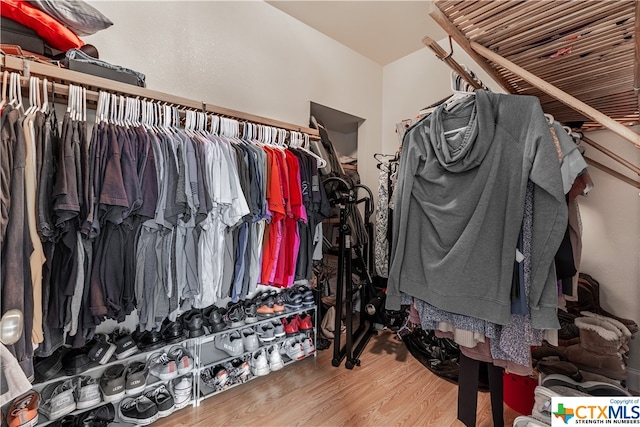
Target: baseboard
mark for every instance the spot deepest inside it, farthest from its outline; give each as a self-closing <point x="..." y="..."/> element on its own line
<point x="633" y="380"/>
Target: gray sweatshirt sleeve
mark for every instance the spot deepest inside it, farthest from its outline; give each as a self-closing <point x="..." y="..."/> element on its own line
<point x="410" y="157"/>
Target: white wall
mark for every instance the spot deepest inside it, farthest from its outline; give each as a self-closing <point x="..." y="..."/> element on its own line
<point x="611" y="237"/>
<point x="245" y="55"/>
<point x="416" y="81"/>
<point x="610" y="214"/>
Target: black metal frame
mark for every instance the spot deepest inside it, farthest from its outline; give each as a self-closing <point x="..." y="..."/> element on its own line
<point x="355" y="341"/>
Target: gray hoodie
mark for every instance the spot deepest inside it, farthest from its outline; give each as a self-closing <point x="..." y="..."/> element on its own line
<point x="459" y="207"/>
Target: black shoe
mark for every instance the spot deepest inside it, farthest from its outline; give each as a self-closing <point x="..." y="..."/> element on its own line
<point x="172" y="332"/>
<point x="76" y="361"/>
<point x="250" y="311"/>
<point x="112" y="383"/>
<point x="125" y="345"/>
<point x="48" y="367"/>
<point x="98" y="417"/>
<point x="138" y="411"/>
<point x="149" y="340"/>
<point x="213" y="319"/>
<point x="101" y="348"/>
<point x="193" y="323"/>
<point x="234" y="316"/>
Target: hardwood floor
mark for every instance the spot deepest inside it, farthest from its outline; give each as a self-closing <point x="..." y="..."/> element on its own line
<point x="390" y="388"/>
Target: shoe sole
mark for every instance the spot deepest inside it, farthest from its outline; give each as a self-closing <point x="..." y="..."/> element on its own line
<point x="182" y="404"/>
<point x="88" y="403"/>
<point x="127" y="353"/>
<point x="166" y="413"/>
<point x="113" y="397"/>
<point x="260" y="372"/>
<point x="166" y="377"/>
<point x="137" y="421"/>
<point x="108" y="354"/>
<point x="277" y="366"/>
<point x="60" y="413"/>
<point x="184" y="371"/>
<point x="137" y="390"/>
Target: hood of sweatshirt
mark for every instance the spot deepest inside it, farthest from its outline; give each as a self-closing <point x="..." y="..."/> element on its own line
<point x="462" y="136"/>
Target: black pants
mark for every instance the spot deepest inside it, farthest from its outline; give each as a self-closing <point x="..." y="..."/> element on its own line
<point x="468" y="391"/>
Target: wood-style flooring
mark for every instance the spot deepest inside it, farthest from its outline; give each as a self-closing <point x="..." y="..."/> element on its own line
<point x="389" y="388"/>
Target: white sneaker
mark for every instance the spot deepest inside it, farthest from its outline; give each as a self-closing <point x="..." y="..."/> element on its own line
<point x="182" y="391"/>
<point x="250" y="340"/>
<point x="275" y="360"/>
<point x="293" y="349"/>
<point x="259" y="364"/>
<point x="308" y="345"/>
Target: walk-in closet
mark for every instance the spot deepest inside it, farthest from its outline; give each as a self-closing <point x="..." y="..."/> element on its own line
<point x="319" y="213"/>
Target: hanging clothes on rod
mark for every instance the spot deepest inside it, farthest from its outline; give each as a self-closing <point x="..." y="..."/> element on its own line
<point x="135" y="208"/>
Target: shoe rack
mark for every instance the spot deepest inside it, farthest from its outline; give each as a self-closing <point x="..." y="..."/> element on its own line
<point x="205" y="355"/>
<point x="208" y="355"/>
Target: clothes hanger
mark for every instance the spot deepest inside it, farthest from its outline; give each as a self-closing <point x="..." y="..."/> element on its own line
<point x="5" y="77"/>
<point x="45" y="96"/>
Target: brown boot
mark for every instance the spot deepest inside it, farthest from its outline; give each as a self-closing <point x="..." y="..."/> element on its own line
<point x="598" y="349"/>
<point x="589" y="300"/>
<point x="624" y="331"/>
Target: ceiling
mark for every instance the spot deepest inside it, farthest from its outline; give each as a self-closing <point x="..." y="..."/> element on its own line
<point x="383" y="31"/>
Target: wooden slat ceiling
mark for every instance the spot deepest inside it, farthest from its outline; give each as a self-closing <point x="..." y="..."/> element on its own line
<point x="585" y="48"/>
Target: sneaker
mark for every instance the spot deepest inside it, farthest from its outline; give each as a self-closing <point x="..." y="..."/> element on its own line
<point x="148" y="340"/>
<point x="163" y="400"/>
<point x="57" y="400"/>
<point x="308" y="345"/>
<point x="101" y="416"/>
<point x="125" y="345"/>
<point x="182" y="388"/>
<point x="213" y="319"/>
<point x="278" y="328"/>
<point x="250" y="340"/>
<point x="293" y="349"/>
<point x="136" y="378"/>
<point x="86" y="391"/>
<point x="278" y="303"/>
<point x="183" y="358"/>
<point x="304" y="322"/>
<point x="76" y="361"/>
<point x="112" y="383"/>
<point x="240" y="371"/>
<point x="215" y="377"/>
<point x="193" y="323"/>
<point x="172" y="332"/>
<point x="162" y="366"/>
<point x="102" y="350"/>
<point x="290" y="325"/>
<point x="292" y="300"/>
<point x="23" y="411"/>
<point x="306" y="294"/>
<point x="259" y="364"/>
<point x="265" y="332"/>
<point x="250" y="311"/>
<point x="275" y="360"/>
<point x="234" y="316"/>
<point x="138" y="411"/>
<point x="48" y="367"/>
<point x="265" y="307"/>
<point x="230" y="343"/>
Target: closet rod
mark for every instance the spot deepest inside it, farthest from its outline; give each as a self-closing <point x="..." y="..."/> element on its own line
<point x="448" y="59"/>
<point x="94" y="83"/>
<point x="438" y="16"/>
<point x="560" y="95"/>
<point x="612" y="172"/>
<point x="613" y="155"/>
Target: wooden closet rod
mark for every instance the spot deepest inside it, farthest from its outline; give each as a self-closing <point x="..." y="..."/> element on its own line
<point x="448" y="59"/>
<point x="612" y="172"/>
<point x="94" y="84"/>
<point x="613" y="155"/>
<point x="560" y="95"/>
